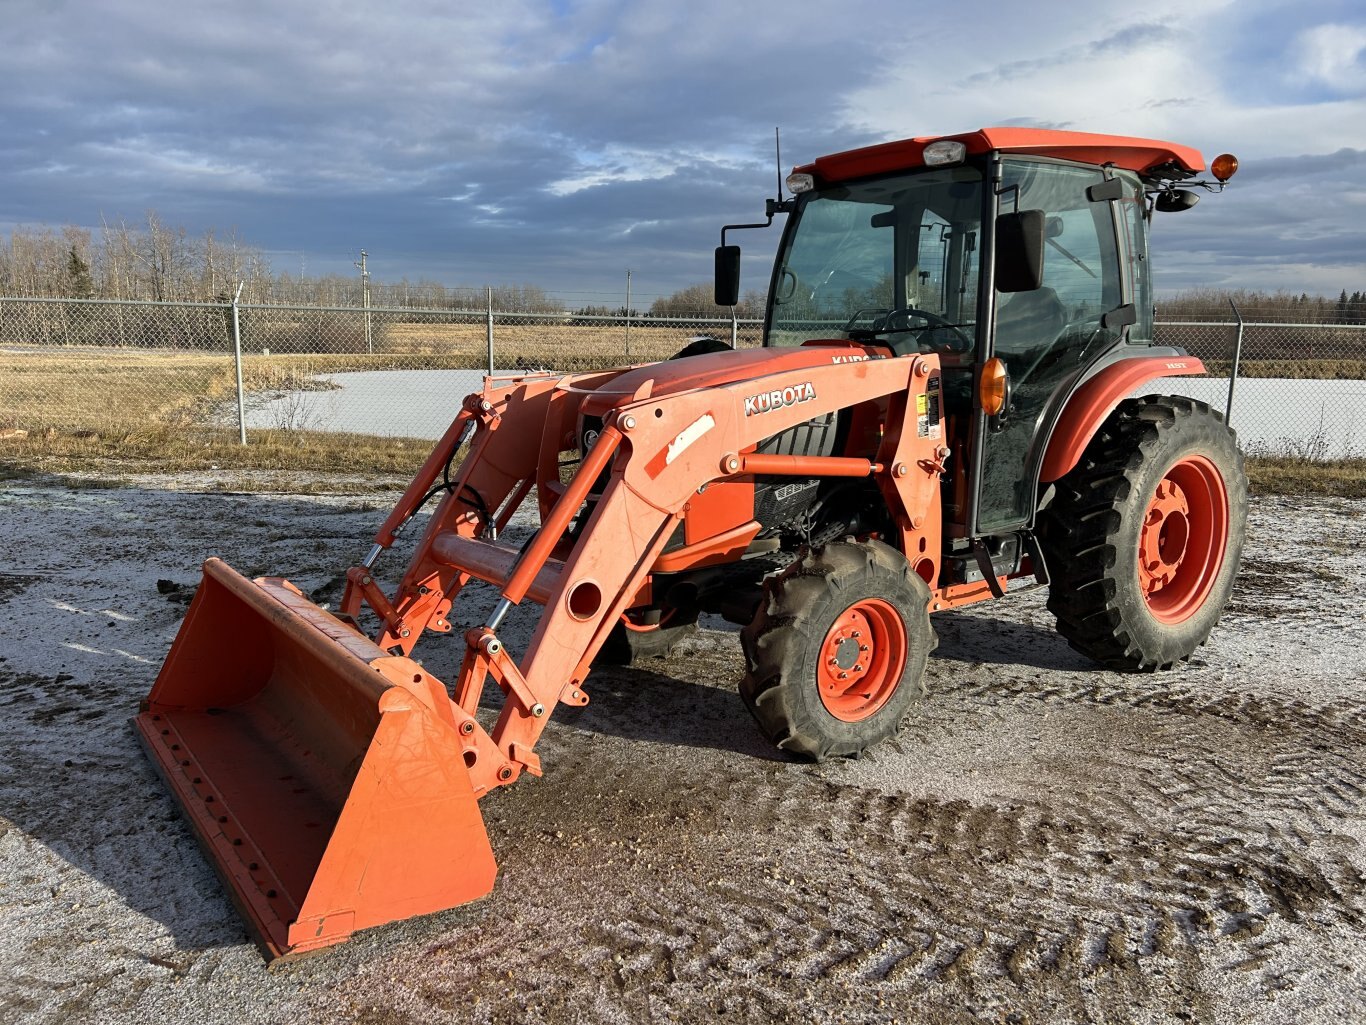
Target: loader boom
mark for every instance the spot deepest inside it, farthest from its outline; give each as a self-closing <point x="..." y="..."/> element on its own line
<point x="658" y="451"/>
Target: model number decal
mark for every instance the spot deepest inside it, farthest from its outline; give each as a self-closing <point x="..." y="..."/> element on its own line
<point x="779" y="398"/>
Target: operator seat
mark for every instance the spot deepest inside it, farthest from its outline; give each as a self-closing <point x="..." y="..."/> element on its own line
<point x="1028" y="322"/>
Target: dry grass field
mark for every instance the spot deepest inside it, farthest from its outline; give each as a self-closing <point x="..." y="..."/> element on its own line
<point x="104" y="388"/>
<point x="82" y="409"/>
<point x="552" y="344"/>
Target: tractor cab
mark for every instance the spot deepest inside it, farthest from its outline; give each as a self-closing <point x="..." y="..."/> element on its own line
<point x="1018" y="257"/>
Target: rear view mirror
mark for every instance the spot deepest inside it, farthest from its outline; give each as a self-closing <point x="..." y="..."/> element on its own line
<point x="727" y="275"/>
<point x="1019" y="251"/>
<point x="1175" y="200"/>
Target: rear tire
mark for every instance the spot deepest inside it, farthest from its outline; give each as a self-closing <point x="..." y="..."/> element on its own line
<point x="627" y="647"/>
<point x="1143" y="537"/>
<point x="836" y="654"/>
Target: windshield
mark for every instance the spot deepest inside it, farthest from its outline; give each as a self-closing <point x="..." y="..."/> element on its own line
<point x="895" y="258"/>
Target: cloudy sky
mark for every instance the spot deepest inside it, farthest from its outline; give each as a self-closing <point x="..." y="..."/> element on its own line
<point x="558" y="142"/>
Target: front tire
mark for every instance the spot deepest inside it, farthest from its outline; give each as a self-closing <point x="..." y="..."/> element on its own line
<point x="1144" y="536"/>
<point x="836" y="654"/>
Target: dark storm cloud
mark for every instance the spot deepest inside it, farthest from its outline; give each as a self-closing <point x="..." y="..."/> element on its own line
<point x="1341" y="164"/>
<point x="415" y="132"/>
<point x="533" y="140"/>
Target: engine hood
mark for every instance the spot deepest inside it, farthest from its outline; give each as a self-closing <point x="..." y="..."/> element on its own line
<point x="719" y="368"/>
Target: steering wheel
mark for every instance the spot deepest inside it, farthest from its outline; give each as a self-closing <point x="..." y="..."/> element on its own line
<point x="960" y="342"/>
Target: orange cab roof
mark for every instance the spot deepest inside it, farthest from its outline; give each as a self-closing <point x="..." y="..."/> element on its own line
<point x="1141" y="155"/>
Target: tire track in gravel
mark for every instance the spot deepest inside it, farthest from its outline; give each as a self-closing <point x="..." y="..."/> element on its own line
<point x="1272" y="754"/>
<point x="804" y="884"/>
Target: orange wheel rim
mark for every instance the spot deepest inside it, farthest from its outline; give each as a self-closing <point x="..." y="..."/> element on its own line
<point x="861" y="660"/>
<point x="1182" y="541"/>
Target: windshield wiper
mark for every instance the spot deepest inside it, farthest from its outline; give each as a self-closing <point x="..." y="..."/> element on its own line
<point x="1059" y="247"/>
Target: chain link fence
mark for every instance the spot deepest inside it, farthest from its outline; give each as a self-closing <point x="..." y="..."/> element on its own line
<point x="108" y="366"/>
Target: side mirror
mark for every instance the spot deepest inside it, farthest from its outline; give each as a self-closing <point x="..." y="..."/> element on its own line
<point x="1176" y="200"/>
<point x="727" y="275"/>
<point x="1019" y="251"/>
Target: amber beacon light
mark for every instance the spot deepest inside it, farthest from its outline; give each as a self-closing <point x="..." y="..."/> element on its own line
<point x="1224" y="166"/>
<point x="993" y="388"/>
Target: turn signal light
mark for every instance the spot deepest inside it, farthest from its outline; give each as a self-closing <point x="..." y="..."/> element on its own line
<point x="993" y="386"/>
<point x="1224" y="166"/>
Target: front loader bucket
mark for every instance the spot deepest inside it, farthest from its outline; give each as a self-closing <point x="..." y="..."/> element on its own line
<point x="324" y="778"/>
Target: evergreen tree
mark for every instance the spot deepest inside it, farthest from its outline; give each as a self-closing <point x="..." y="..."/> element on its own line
<point x="79" y="281"/>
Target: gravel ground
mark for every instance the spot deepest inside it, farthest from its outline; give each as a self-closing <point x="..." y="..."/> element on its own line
<point x="1043" y="842"/>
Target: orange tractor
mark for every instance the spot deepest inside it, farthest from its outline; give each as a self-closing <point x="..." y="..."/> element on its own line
<point x="940" y="409"/>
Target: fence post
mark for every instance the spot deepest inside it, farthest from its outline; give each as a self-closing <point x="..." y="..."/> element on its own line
<point x="489" y="339"/>
<point x="1237" y="355"/>
<point x="237" y="358"/>
<point x="734" y="330"/>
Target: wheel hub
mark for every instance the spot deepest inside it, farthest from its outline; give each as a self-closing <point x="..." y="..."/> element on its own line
<point x="1166" y="532"/>
<point x="862" y="659"/>
<point x="1181" y="543"/>
<point x="847" y="653"/>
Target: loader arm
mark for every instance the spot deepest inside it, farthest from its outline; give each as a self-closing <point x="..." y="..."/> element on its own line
<point x="659" y="451"/>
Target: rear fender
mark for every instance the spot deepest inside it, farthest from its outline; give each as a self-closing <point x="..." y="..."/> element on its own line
<point x="1087" y="409"/>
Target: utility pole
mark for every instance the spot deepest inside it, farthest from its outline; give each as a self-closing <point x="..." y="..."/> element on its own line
<point x="365" y="302"/>
<point x="628" y="312"/>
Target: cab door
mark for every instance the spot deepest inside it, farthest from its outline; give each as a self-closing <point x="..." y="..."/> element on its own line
<point x="1047" y="336"/>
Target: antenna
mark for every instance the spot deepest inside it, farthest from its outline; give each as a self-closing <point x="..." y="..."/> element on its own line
<point x="778" y="159"/>
<point x="771" y="206"/>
